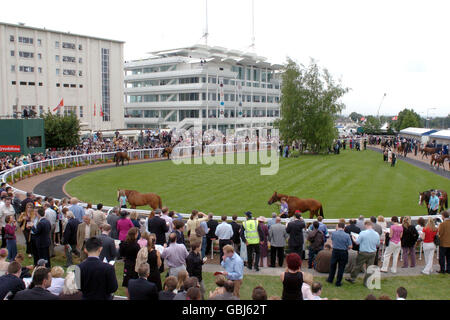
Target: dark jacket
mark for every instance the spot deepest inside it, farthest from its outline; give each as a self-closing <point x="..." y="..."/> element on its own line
<point x="315" y="237"/>
<point x="112" y="221"/>
<point x="109" y="250"/>
<point x="70" y="232"/>
<point x="8" y="283"/>
<point x="142" y="289"/>
<point x="180" y="237"/>
<point x="158" y="226"/>
<point x="295" y="231"/>
<point x="212" y="225"/>
<point x="353" y="228"/>
<point x="37" y="293"/>
<point x="409" y="237"/>
<point x="166" y="295"/>
<point x="42" y="233"/>
<point x="98" y="279"/>
<point x="236" y="232"/>
<point x="194" y="265"/>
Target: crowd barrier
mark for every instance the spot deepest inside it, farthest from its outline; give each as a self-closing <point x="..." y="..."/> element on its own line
<point x="88" y="159"/>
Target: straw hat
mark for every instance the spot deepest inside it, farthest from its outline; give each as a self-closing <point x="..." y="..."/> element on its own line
<point x="262" y="219"/>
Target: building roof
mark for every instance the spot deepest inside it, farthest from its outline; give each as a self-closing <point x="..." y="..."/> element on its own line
<point x="417" y="131"/>
<point x="442" y="134"/>
<point x="219" y="54"/>
<point x="59" y="32"/>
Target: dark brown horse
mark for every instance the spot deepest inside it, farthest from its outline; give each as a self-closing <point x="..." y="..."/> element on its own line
<point x="121" y="156"/>
<point x="427" y="151"/>
<point x="137" y="199"/>
<point x="167" y="151"/>
<point x="439" y="160"/>
<point x="425" y="197"/>
<point x="313" y="206"/>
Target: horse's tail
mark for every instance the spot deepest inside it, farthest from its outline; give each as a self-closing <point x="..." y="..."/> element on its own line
<point x="446" y="203"/>
<point x="321" y="211"/>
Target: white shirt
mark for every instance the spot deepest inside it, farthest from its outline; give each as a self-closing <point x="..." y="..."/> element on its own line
<point x="50" y="215"/>
<point x="4" y="212"/>
<point x="87" y="231"/>
<point x="57" y="286"/>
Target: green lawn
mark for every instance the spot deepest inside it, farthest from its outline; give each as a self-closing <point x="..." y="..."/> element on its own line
<point x="348" y="185"/>
<point x="434" y="287"/>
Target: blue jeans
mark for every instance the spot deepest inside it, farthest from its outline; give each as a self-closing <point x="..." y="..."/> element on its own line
<point x="12" y="249"/>
<point x="203" y="247"/>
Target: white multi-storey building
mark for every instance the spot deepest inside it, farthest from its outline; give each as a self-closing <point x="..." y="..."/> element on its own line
<point x="40" y="67"/>
<point x="219" y="87"/>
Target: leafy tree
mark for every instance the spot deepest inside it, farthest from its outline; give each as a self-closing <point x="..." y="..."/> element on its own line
<point x="61" y="131"/>
<point x="309" y="105"/>
<point x="407" y="118"/>
<point x="356" y="117"/>
<point x="372" y="125"/>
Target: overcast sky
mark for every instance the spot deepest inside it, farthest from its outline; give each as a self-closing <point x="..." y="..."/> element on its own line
<point x="401" y="48"/>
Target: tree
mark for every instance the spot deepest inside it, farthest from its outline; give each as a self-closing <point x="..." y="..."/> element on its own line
<point x="372" y="125"/>
<point x="356" y="117"/>
<point x="407" y="118"/>
<point x="309" y="105"/>
<point x="61" y="131"/>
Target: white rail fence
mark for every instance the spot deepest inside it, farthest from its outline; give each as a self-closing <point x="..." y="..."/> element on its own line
<point x="88" y="159"/>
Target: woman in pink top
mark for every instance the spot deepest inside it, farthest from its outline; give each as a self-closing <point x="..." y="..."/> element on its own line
<point x="123" y="225"/>
<point x="395" y="235"/>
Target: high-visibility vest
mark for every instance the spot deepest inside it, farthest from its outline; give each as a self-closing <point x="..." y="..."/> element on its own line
<point x="251" y="231"/>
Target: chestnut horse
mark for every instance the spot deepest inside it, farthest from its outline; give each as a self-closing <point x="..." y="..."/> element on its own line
<point x="426" y="151"/>
<point x="313" y="206"/>
<point x="443" y="199"/>
<point x="137" y="199"/>
<point x="439" y="160"/>
<point x="121" y="156"/>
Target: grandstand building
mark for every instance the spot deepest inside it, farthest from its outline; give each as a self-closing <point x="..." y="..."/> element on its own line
<point x="224" y="89"/>
<point x="41" y="69"/>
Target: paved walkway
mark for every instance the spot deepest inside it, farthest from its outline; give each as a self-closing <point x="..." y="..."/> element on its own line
<point x="417" y="161"/>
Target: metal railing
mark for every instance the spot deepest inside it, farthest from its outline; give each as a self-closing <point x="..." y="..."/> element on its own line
<point x="89" y="159"/>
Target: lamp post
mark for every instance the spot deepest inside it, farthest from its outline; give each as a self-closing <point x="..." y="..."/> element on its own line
<point x="382" y="99"/>
<point x="427" y="115"/>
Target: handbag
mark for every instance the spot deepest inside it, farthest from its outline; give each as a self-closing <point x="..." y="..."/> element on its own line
<point x="436" y="240"/>
<point x="199" y="231"/>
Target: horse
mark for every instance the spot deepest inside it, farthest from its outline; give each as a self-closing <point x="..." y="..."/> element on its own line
<point x="168" y="151"/>
<point x="137" y="199"/>
<point x="427" y="151"/>
<point x="313" y="206"/>
<point x="439" y="160"/>
<point x="121" y="156"/>
<point x="443" y="199"/>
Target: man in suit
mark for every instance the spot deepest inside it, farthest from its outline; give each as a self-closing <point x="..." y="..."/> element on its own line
<point x="99" y="216"/>
<point x="42" y="237"/>
<point x="295" y="231"/>
<point x="159" y="227"/>
<point x="109" y="250"/>
<point x="11" y="282"/>
<point x="142" y="289"/>
<point x="112" y="219"/>
<point x="42" y="279"/>
<point x="98" y="279"/>
<point x="179" y="230"/>
<point x="236" y="234"/>
<point x="277" y="238"/>
<point x="70" y="238"/>
<point x="86" y="230"/>
<point x="211" y="235"/>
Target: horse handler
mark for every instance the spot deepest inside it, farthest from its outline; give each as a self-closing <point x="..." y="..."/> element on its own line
<point x="251" y="234"/>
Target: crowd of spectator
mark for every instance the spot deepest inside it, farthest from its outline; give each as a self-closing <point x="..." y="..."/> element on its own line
<point x="163" y="245"/>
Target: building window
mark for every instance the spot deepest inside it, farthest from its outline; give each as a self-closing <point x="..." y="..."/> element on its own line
<point x="68" y="59"/>
<point x="192" y="96"/>
<point x="66" y="85"/>
<point x="57" y="72"/>
<point x="40" y="56"/>
<point x="68" y="45"/>
<point x="40" y="84"/>
<point x="39" y="69"/>
<point x="13" y="68"/>
<point x="188" y="80"/>
<point x="80" y="47"/>
<point x="13" y="83"/>
<point x="73" y="85"/>
<point x="80" y="60"/>
<point x="81" y="111"/>
<point x="26" y="69"/>
<point x="58" y="85"/>
<point x="26" y="55"/>
<point x="12" y="53"/>
<point x="23" y="83"/>
<point x="39" y="42"/>
<point x="26" y="40"/>
<point x="81" y="86"/>
<point x="105" y="84"/>
<point x="31" y="84"/>
<point x="57" y="58"/>
<point x="11" y="38"/>
<point x="80" y="73"/>
<point x="57" y="44"/>
<point x="69" y="72"/>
